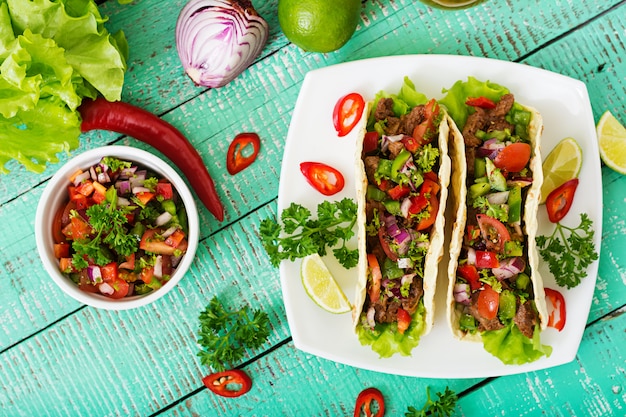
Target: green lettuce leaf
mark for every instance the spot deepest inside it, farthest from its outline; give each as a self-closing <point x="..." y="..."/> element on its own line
<point x="387" y="341"/>
<point x="52" y="55"/>
<point x="454" y="101"/>
<point x="512" y="347"/>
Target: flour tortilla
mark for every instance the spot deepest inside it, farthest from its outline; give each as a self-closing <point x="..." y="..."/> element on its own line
<point x="435" y="250"/>
<point x="458" y="197"/>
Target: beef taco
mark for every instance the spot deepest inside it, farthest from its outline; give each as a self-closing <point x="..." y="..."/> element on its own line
<point x="402" y="172"/>
<point x="495" y="292"/>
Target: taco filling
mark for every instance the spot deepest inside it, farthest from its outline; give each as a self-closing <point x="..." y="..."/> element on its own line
<point x="495" y="282"/>
<point x="402" y="197"/>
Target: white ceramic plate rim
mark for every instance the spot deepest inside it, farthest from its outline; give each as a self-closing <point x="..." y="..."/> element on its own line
<point x="566" y="110"/>
<point x="51" y="199"/>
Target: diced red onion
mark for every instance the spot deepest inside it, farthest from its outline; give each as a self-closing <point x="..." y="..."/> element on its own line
<point x="106" y="288"/>
<point x="123" y="187"/>
<point x="461" y="294"/>
<point x="158" y="266"/>
<point x="138" y="189"/>
<point x="404" y="207"/>
<point x="141" y="175"/>
<point x="92" y="172"/>
<point x="126" y="173"/>
<point x="387" y="139"/>
<point x="81" y="177"/>
<point x="402" y="237"/>
<point x="471" y="256"/>
<point x="218" y="39"/>
<point x="94" y="273"/>
<point x="163" y="218"/>
<point x="500" y="197"/>
<point x="121" y="201"/>
<point x="169" y="232"/>
<point x="509" y="268"/>
<point x="103" y="178"/>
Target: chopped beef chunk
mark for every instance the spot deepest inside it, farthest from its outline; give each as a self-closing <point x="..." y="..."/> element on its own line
<point x="475" y="121"/>
<point x="371" y="165"/>
<point x="526" y="319"/>
<point x="384" y="109"/>
<point x="395" y="148"/>
<point x="411" y="120"/>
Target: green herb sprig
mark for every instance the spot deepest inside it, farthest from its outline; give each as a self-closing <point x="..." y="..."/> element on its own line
<point x="569" y="251"/>
<point x="300" y="235"/>
<point x="109" y="233"/>
<point x="225" y="335"/>
<point x="443" y="406"/>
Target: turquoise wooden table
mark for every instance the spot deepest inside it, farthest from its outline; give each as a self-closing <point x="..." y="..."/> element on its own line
<point x="58" y="357"/>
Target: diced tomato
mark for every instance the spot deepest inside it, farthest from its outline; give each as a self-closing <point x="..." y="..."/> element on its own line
<point x="66" y="265"/>
<point x="77" y="229"/>
<point x="85" y="284"/>
<point x="120" y="288"/>
<point x="404" y="320"/>
<point x="80" y="200"/>
<point x="429" y="187"/>
<point x="377" y="277"/>
<point x="424" y="132"/>
<point x="399" y="191"/>
<point x="471" y="234"/>
<point x="151" y="242"/>
<point x="486" y="259"/>
<point x="145" y="197"/>
<point x="146" y="274"/>
<point x="370" y="141"/>
<point x="61" y="250"/>
<point x="513" y="158"/>
<point x="109" y="272"/>
<point x="418" y="203"/>
<point x="493" y="231"/>
<point x="433" y="208"/>
<point x="488" y="302"/>
<point x="86" y="188"/>
<point x="129" y="263"/>
<point x="165" y="190"/>
<point x="470" y="274"/>
<point x="175" y="238"/>
<point x="481" y="101"/>
<point x="57" y="226"/>
<point x="98" y="197"/>
<point x="384" y="243"/>
<point x="385" y="185"/>
<point x="410" y="143"/>
<point x="431" y="175"/>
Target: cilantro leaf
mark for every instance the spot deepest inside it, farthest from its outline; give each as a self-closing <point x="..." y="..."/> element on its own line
<point x="225" y="335"/>
<point x="443" y="406"/>
<point x="569" y="251"/>
<point x="300" y="235"/>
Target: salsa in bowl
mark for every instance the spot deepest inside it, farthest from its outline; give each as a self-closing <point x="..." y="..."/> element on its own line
<point x="116" y="227"/>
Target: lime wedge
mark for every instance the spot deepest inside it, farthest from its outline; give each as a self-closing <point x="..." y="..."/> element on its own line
<point x="562" y="164"/>
<point x="320" y="285"/>
<point x="612" y="142"/>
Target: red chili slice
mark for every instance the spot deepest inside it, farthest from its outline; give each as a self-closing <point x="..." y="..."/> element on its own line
<point x="231" y="383"/>
<point x="559" y="201"/>
<point x="481" y="101"/>
<point x="557" y="316"/>
<point x="347" y="113"/>
<point x="366" y="400"/>
<point x="324" y="178"/>
<point x="236" y="158"/>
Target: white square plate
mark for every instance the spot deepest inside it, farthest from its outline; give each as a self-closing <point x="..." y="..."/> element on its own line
<point x="564" y="104"/>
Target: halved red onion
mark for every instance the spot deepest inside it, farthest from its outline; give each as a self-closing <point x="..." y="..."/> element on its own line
<point x="509" y="268"/>
<point x="218" y="39"/>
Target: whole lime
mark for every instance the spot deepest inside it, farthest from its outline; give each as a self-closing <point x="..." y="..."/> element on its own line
<point x="319" y="25"/>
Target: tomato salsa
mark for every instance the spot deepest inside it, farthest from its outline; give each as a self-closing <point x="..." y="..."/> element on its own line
<point x="122" y="231"/>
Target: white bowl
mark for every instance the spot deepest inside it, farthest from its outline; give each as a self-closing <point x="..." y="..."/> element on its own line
<point x="54" y="196"/>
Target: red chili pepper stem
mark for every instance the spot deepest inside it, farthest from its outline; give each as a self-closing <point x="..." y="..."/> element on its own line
<point x="140" y="124"/>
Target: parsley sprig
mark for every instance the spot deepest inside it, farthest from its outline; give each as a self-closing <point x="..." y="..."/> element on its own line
<point x="443" y="406"/>
<point x="569" y="251"/>
<point x="225" y="335"/>
<point x="300" y="235"/>
<point x="110" y="234"/>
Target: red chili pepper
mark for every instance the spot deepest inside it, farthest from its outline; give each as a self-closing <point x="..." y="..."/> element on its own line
<point x="324" y="178"/>
<point x="559" y="201"/>
<point x="236" y="161"/>
<point x="481" y="101"/>
<point x="347" y="113"/>
<point x="558" y="305"/>
<point x="133" y="121"/>
<point x="231" y="383"/>
<point x="365" y="401"/>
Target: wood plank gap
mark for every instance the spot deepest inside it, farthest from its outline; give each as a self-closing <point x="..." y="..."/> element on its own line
<point x="569" y="32"/>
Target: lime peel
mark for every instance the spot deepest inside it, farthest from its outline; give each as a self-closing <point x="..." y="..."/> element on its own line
<point x="321" y="286"/>
<point x="612" y="142"/>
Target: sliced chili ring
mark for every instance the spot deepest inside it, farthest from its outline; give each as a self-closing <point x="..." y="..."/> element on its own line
<point x="239" y="157"/>
<point x="366" y="399"/>
<point x="560" y="200"/>
<point x="347" y="113"/>
<point x="324" y="178"/>
<point x="558" y="315"/>
<point x="231" y="383"/>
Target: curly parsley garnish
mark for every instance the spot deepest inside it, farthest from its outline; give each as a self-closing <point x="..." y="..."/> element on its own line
<point x="569" y="251"/>
<point x="300" y="235"/>
<point x="443" y="406"/>
<point x="108" y="222"/>
<point x="225" y="335"/>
